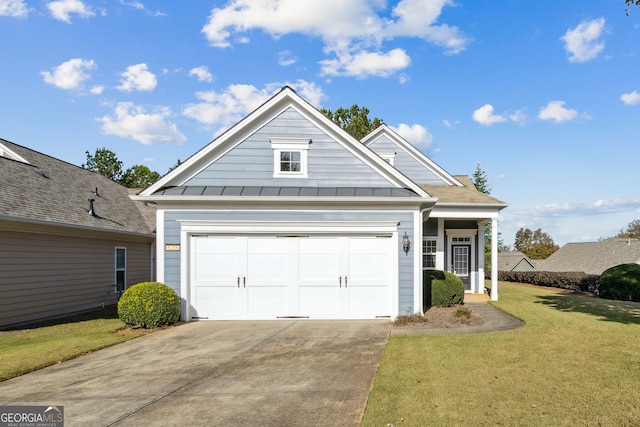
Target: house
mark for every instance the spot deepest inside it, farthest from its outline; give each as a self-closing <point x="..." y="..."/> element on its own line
<point x="70" y="240"/>
<point x="285" y="215"/>
<point x="592" y="257"/>
<point x="515" y="261"/>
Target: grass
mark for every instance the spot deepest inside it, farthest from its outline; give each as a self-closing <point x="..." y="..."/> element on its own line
<point x="576" y="362"/>
<point x="26" y="350"/>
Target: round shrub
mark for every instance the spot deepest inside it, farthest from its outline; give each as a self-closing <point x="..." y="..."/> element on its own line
<point x="621" y="282"/>
<point x="447" y="292"/>
<point x="148" y="305"/>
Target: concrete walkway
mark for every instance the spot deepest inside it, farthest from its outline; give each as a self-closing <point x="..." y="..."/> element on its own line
<point x="494" y="320"/>
<point x="234" y="373"/>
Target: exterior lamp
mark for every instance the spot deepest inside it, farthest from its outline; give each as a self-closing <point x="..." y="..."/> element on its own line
<point x="406" y="244"/>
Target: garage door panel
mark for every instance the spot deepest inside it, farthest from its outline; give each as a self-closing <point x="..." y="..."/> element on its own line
<point x="266" y="276"/>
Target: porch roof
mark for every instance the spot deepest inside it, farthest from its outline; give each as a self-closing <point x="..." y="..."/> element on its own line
<point x="463" y="195"/>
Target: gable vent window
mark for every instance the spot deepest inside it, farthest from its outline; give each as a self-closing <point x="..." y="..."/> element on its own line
<point x="289" y="157"/>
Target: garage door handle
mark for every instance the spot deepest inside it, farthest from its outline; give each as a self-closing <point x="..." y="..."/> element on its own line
<point x="340" y="281"/>
<point x="244" y="282"/>
<point x="238" y="281"/>
<point x="345" y="281"/>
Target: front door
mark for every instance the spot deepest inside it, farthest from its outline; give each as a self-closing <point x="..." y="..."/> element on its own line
<point x="460" y="263"/>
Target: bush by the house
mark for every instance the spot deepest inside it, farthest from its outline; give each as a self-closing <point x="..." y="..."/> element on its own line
<point x="149" y="305"/>
<point x="448" y="291"/>
<point x="574" y="281"/>
<point x="621" y="282"/>
<point x="429" y="276"/>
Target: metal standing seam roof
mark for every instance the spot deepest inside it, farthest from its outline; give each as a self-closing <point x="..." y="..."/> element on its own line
<point x="252" y="191"/>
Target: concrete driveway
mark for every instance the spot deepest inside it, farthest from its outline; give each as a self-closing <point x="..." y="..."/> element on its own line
<point x="266" y="373"/>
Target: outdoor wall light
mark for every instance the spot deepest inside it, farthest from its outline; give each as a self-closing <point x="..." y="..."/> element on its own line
<point x="406" y="244"/>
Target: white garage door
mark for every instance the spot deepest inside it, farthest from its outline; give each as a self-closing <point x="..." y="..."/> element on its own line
<point x="266" y="277"/>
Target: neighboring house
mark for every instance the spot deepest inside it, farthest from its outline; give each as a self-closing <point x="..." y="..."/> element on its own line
<point x="287" y="215"/>
<point x="592" y="257"/>
<point x="515" y="261"/>
<point x="56" y="256"/>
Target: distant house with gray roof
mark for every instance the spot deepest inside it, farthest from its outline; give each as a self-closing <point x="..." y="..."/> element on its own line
<point x="70" y="240"/>
<point x="515" y="261"/>
<point x="592" y="257"/>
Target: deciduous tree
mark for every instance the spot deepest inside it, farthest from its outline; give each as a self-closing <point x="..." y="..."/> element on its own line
<point x="139" y="176"/>
<point x="354" y="120"/>
<point x="105" y="162"/>
<point x="534" y="244"/>
<point x="632" y="230"/>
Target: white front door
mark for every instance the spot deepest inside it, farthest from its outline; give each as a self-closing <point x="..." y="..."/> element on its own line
<point x="460" y="263"/>
<point x="259" y="277"/>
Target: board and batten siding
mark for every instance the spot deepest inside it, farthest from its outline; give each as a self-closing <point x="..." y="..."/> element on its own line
<point x="47" y="275"/>
<point x="405" y="219"/>
<point x="406" y="163"/>
<point x="251" y="163"/>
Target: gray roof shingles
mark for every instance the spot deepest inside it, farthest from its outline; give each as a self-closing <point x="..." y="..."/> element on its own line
<point x="49" y="190"/>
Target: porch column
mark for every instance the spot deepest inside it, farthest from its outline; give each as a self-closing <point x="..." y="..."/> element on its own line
<point x="494" y="259"/>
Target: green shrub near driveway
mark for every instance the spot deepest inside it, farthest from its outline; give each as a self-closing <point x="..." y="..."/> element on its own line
<point x="448" y="291"/>
<point x="621" y="282"/>
<point x="149" y="305"/>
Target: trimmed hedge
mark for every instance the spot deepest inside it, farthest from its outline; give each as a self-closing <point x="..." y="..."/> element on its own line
<point x="148" y="305"/>
<point x="448" y="291"/>
<point x="621" y="282"/>
<point x="574" y="281"/>
<point x="428" y="276"/>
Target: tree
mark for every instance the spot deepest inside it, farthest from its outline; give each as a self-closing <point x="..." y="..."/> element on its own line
<point x="105" y="162"/>
<point x="178" y="163"/>
<point x="633" y="229"/>
<point x="631" y="2"/>
<point x="354" y="120"/>
<point x="534" y="244"/>
<point x="139" y="176"/>
<point x="480" y="180"/>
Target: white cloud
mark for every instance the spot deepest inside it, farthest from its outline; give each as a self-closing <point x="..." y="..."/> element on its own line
<point x="518" y="116"/>
<point x="484" y="115"/>
<point x="202" y="73"/>
<point x="556" y="111"/>
<point x="286" y="58"/>
<point x="352" y="31"/>
<point x="69" y="74"/>
<point x="583" y="43"/>
<point x="632" y="98"/>
<point x="96" y="90"/>
<point x="363" y="64"/>
<point x="416" y="134"/>
<point x="226" y="107"/>
<point x="131" y="121"/>
<point x="13" y="8"/>
<point x="62" y="9"/>
<point x="137" y="77"/>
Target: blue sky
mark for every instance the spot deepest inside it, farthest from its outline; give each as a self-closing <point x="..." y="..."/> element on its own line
<point x="543" y="94"/>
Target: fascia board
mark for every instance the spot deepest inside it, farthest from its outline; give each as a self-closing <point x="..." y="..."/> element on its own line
<point x="269" y="227"/>
<point x="284" y="99"/>
<point x="412" y="151"/>
<point x="12" y="154"/>
<point x="475" y="213"/>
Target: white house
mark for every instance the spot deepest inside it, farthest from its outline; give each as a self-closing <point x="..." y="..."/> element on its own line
<point x="286" y="215"/>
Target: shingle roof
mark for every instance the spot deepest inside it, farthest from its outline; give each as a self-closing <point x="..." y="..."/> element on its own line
<point x="592" y="257"/>
<point x="52" y="191"/>
<point x="508" y="261"/>
<point x="457" y="194"/>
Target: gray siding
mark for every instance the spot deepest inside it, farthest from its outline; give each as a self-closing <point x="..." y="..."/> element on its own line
<point x="406" y="163"/>
<point x="251" y="162"/>
<point x="45" y="276"/>
<point x="405" y="262"/>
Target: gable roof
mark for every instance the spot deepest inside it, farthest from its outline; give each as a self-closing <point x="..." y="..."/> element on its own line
<point x="285" y="98"/>
<point x="592" y="257"/>
<point x="386" y="131"/>
<point x="514" y="261"/>
<point x="37" y="188"/>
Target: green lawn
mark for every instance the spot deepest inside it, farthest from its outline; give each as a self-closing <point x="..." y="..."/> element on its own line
<point x="26" y="350"/>
<point x="576" y="362"/>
